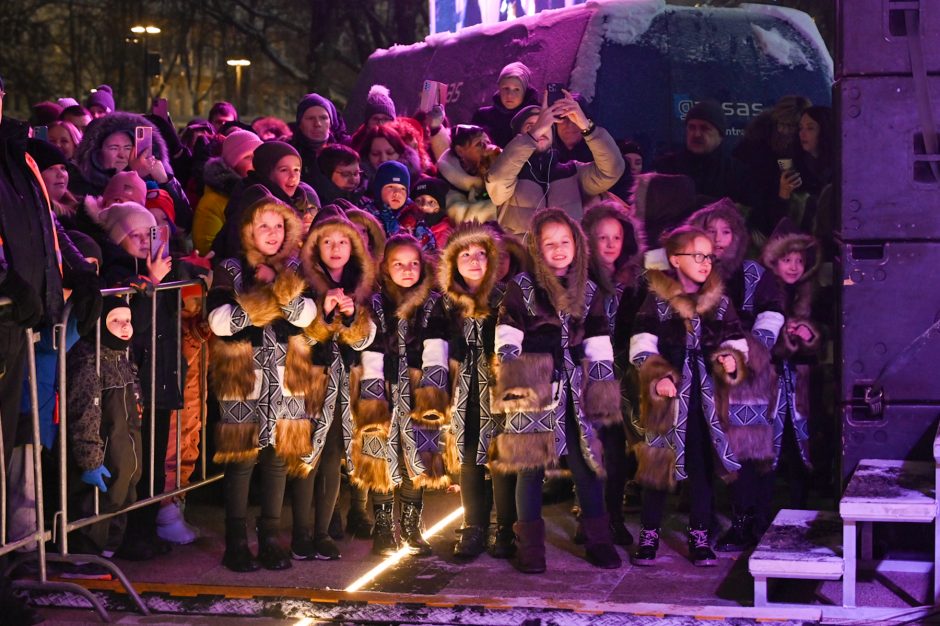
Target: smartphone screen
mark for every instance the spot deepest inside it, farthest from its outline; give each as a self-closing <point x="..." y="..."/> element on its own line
<point x="159" y="236"/>
<point x="143" y="139"/>
<point x="41" y="132"/>
<point x="554" y="92"/>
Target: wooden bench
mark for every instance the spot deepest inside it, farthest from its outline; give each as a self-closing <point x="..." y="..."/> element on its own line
<point x="803" y="545"/>
<point x="887" y="491"/>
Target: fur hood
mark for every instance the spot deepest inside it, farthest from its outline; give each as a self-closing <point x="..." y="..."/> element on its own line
<point x="519" y="260"/>
<point x="218" y="175"/>
<point x="86" y="155"/>
<point x="781" y="244"/>
<point x="666" y="286"/>
<point x="407" y="301"/>
<point x="571" y="299"/>
<point x="372" y="228"/>
<point x="629" y="264"/>
<point x="727" y="210"/>
<point x="292" y="234"/>
<point x="362" y="263"/>
<point x="472" y="305"/>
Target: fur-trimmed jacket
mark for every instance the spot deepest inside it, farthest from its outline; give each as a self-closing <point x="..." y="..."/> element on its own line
<point x="260" y="367"/>
<point x="337" y="340"/>
<point x="551" y="341"/>
<point x="403" y="401"/>
<point x="467" y="322"/>
<point x="522" y="179"/>
<point x="209" y="216"/>
<point x="467" y="199"/>
<point x="679" y="335"/>
<point x="94" y="178"/>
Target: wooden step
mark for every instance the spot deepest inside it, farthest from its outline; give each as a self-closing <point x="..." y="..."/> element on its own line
<point x="800" y="544"/>
<point x="890" y="491"/>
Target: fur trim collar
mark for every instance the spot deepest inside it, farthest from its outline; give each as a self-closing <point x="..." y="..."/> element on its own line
<point x="725" y="209"/>
<point x="292" y="235"/>
<point x="453" y="172"/>
<point x="313" y="270"/>
<point x="219" y="176"/>
<point x="86" y="155"/>
<point x="372" y="229"/>
<point x="629" y="264"/>
<point x="473" y="305"/>
<point x="568" y="299"/>
<point x="667" y="287"/>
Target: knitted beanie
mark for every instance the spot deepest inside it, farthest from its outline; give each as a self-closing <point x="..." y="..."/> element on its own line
<point x="517" y="70"/>
<point x="102" y="96"/>
<point x="379" y="101"/>
<point x="519" y="119"/>
<point x="162" y="200"/>
<point x="45" y="154"/>
<point x="709" y="111"/>
<point x="44" y="113"/>
<point x="267" y="155"/>
<point x="434" y="187"/>
<point x="316" y="100"/>
<point x="237" y="145"/>
<point x="120" y="220"/>
<point x="391" y="173"/>
<point x="125" y="187"/>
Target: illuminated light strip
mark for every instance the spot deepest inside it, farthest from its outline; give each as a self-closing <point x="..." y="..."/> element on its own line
<point x="394" y="559"/>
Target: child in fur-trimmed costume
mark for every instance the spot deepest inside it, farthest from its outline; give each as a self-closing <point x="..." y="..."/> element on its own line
<point x="757" y="296"/>
<point x="341" y="272"/>
<point x="794" y="257"/>
<point x="402" y="408"/>
<point x="260" y="371"/>
<point x="465" y="317"/>
<point x="617" y="245"/>
<point x="555" y="383"/>
<point x="687" y="338"/>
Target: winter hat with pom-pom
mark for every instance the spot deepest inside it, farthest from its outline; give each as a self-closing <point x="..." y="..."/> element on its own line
<point x="102" y="96"/>
<point x="378" y="102"/>
<point x="238" y="145"/>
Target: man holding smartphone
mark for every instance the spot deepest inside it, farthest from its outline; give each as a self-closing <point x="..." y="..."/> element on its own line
<point x="529" y="174"/>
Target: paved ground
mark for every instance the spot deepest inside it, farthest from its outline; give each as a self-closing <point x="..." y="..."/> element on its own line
<point x="570" y="584"/>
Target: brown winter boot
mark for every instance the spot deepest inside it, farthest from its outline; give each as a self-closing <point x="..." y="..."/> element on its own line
<point x="530" y="555"/>
<point x="598" y="543"/>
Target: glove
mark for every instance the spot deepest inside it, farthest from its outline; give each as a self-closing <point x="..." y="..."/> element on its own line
<point x="27" y="305"/>
<point x="86" y="301"/>
<point x="95" y="478"/>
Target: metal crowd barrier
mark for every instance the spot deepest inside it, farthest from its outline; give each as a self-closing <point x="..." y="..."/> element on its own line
<point x="62" y="524"/>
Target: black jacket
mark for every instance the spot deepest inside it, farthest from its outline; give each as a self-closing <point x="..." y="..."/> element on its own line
<point x="495" y="119"/>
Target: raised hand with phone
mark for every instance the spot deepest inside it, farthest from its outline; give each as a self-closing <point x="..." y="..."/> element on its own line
<point x="144" y="162"/>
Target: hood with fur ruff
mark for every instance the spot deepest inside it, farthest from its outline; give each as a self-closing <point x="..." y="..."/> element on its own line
<point x="666" y="285"/>
<point x="629" y="264"/>
<point x="727" y="210"/>
<point x="570" y="298"/>
<point x="363" y="265"/>
<point x="220" y="176"/>
<point x="292" y="234"/>
<point x="473" y="305"/>
<point x="86" y="154"/>
<point x="407" y="301"/>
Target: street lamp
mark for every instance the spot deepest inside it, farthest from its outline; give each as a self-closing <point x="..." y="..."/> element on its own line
<point x="143" y="31"/>
<point x="238" y="64"/>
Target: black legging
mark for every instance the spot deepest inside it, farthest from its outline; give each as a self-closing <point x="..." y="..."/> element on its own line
<point x="699" y="466"/>
<point x="614" y="439"/>
<point x="589" y="486"/>
<point x="327" y="475"/>
<point x="796" y="471"/>
<point x="237" y="481"/>
<point x="142" y="523"/>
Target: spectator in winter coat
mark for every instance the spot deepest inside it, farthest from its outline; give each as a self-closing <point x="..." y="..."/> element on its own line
<point x="464" y="166"/>
<point x="430" y="196"/>
<point x="221" y="175"/>
<point x="222" y="113"/>
<point x="338" y="175"/>
<point x="703" y="160"/>
<point x="528" y="174"/>
<point x="513" y="94"/>
<point x="318" y="123"/>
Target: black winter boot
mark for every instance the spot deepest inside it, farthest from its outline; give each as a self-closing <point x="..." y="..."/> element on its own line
<point x="271" y="554"/>
<point x="504" y="542"/>
<point x="645" y="554"/>
<point x="357" y="522"/>
<point x="530" y="557"/>
<point x="700" y="550"/>
<point x="238" y="557"/>
<point x="383" y="533"/>
<point x="411" y="529"/>
<point x="302" y="545"/>
<point x="472" y="542"/>
<point x="598" y="544"/>
<point x="739" y="537"/>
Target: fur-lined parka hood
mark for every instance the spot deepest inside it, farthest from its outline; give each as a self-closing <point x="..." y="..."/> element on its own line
<point x="372" y="229"/>
<point x="473" y="305"/>
<point x="666" y="285"/>
<point x="360" y="267"/>
<point x="86" y="155"/>
<point x="407" y="301"/>
<point x="218" y="175"/>
<point x="292" y="234"/>
<point x="568" y="299"/>
<point x="629" y="264"/>
<point x="782" y="243"/>
<point x="725" y="209"/>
